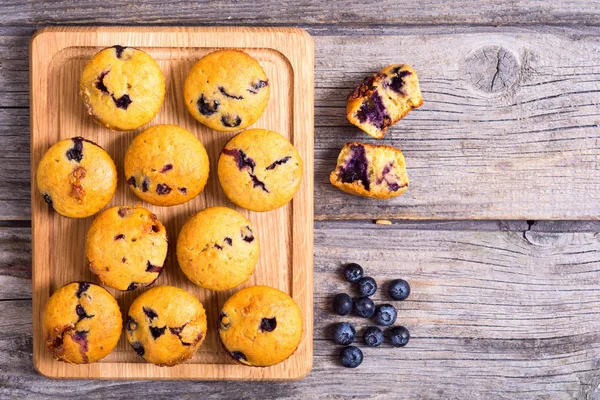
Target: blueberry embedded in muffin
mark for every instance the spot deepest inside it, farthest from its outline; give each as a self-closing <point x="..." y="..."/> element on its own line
<point x="371" y="171"/>
<point x="383" y="99"/>
<point x="166" y="325"/>
<point x="82" y="323"/>
<point x="226" y="90"/>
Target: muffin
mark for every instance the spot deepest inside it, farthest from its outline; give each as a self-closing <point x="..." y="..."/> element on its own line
<point x="127" y="247"/>
<point x="383" y="99"/>
<point x="82" y="323"/>
<point x="166" y="325"/>
<point x="122" y="88"/>
<point x="260" y="326"/>
<point x="226" y="90"/>
<point x="76" y="177"/>
<point x="259" y="170"/>
<point x="371" y="171"/>
<point x="166" y="165"/>
<point x="217" y="249"/>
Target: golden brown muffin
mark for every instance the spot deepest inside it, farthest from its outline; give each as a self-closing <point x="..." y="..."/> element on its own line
<point x="166" y="325"/>
<point x="259" y="170"/>
<point x="260" y="326"/>
<point x="76" y="177"/>
<point x="217" y="248"/>
<point x="166" y="165"/>
<point x="82" y="323"/>
<point x="371" y="171"/>
<point x="383" y="99"/>
<point x="226" y="90"/>
<point x="122" y="88"/>
<point x="127" y="247"/>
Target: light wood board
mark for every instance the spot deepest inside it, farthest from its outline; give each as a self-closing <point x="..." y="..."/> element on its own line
<point x="58" y="56"/>
<point x="499" y="313"/>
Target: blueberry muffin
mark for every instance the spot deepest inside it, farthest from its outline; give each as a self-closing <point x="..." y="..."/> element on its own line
<point x="166" y="325"/>
<point x="166" y="165"/>
<point x="82" y="323"/>
<point x="122" y="88"/>
<point x="259" y="170"/>
<point x="260" y="326"/>
<point x="127" y="247"/>
<point x="76" y="177"/>
<point x="226" y="90"/>
<point x="217" y="248"/>
<point x="383" y="99"/>
<point x="371" y="171"/>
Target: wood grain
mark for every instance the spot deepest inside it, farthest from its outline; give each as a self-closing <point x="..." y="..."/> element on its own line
<point x="57" y="58"/>
<point x="509" y="128"/>
<point x="538" y="140"/>
<point x="492" y="314"/>
<point x="307" y="12"/>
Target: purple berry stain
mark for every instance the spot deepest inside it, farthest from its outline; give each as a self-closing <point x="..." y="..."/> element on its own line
<point x="145" y="184"/>
<point x="166" y="168"/>
<point x="374" y="111"/>
<point x="231" y="121"/>
<point x="241" y="159"/>
<point x="231" y="96"/>
<point x="150" y="313"/>
<point x="238" y="356"/>
<point x="100" y="82"/>
<point x="163" y="189"/>
<point x="137" y="346"/>
<point x="356" y="167"/>
<point x="119" y="50"/>
<point x="131" y="181"/>
<point x="120" y="236"/>
<point x="207" y="108"/>
<point x="255" y="87"/>
<point x="152" y="268"/>
<point x="76" y="152"/>
<point x="132" y="286"/>
<point x="157" y="332"/>
<point x="279" y="162"/>
<point x="80" y="337"/>
<point x="182" y="190"/>
<point x="392" y="186"/>
<point x="247" y="234"/>
<point x="397" y="82"/>
<point x="80" y="311"/>
<point x="224" y="322"/>
<point x="83" y="287"/>
<point x="131" y="325"/>
<point x="268" y="324"/>
<point x="229" y="241"/>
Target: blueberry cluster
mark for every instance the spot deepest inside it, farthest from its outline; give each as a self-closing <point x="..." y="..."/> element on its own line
<point x="384" y="315"/>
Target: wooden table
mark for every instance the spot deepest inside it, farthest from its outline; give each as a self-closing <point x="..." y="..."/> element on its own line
<point x="505" y="306"/>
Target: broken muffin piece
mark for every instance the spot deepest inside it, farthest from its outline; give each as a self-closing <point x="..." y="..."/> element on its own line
<point x="383" y="99"/>
<point x="371" y="171"/>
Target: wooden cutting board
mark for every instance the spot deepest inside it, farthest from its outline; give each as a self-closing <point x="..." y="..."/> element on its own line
<point x="58" y="55"/>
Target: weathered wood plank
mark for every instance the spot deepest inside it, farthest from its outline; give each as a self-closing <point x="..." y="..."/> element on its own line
<point x="509" y="128"/>
<point x="307" y="12"/>
<point x="523" y="152"/>
<point x="493" y="314"/>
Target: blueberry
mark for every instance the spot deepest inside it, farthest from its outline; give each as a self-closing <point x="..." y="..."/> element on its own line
<point x="351" y="357"/>
<point x="207" y="107"/>
<point x="364" y="307"/>
<point x="353" y="272"/>
<point x="231" y="96"/>
<point x="342" y="304"/>
<point x="166" y="168"/>
<point x="385" y="315"/>
<point x="231" y="121"/>
<point x="241" y="159"/>
<point x="344" y="333"/>
<point x="356" y="167"/>
<point x="373" y="336"/>
<point x="119" y="50"/>
<point x="275" y="163"/>
<point x="255" y="87"/>
<point x="256" y="182"/>
<point x="123" y="101"/>
<point x="157" y="332"/>
<point x="268" y="324"/>
<point x="399" y="289"/>
<point x="373" y="110"/>
<point x="163" y="188"/>
<point x="399" y="336"/>
<point x="367" y="286"/>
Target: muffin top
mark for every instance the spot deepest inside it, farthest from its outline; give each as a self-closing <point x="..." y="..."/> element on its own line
<point x="260" y="326"/>
<point x="166" y="325"/>
<point x="217" y="248"/>
<point x="122" y="88"/>
<point x="82" y="323"/>
<point x="166" y="165"/>
<point x="259" y="170"/>
<point x="226" y="90"/>
<point x="126" y="247"/>
<point x="76" y="177"/>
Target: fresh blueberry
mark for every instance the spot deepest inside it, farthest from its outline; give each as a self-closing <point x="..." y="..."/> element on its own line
<point x="344" y="333"/>
<point x="367" y="286"/>
<point x="353" y="272"/>
<point x="399" y="336"/>
<point x="351" y="357"/>
<point x="385" y="315"/>
<point x="399" y="289"/>
<point x="342" y="304"/>
<point x="364" y="307"/>
<point x="373" y="336"/>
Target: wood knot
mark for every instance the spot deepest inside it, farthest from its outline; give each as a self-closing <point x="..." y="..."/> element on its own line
<point x="492" y="69"/>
